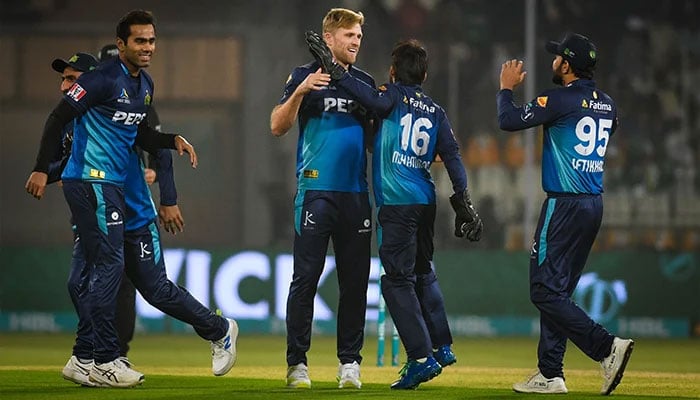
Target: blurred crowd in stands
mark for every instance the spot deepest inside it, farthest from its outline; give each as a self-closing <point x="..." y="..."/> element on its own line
<point x="649" y="58"/>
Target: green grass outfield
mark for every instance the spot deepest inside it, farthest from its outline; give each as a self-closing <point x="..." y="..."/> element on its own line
<point x="178" y="367"/>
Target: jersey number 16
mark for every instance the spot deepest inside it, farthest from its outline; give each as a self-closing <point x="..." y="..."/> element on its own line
<point x="416" y="133"/>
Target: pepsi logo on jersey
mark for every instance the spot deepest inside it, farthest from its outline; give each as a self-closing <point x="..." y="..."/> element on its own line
<point x="128" y="118"/>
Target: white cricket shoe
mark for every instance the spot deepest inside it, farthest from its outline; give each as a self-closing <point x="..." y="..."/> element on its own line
<point x="349" y="376"/>
<point x="537" y="383"/>
<point x="298" y="377"/>
<point x="115" y="374"/>
<point x="78" y="372"/>
<point x="613" y="366"/>
<point x="223" y="351"/>
<point x="125" y="360"/>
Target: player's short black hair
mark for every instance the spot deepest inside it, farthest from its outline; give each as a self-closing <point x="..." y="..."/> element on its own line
<point x="134" y="17"/>
<point x="410" y="61"/>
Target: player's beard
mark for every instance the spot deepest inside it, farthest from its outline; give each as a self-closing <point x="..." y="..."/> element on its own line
<point x="557" y="77"/>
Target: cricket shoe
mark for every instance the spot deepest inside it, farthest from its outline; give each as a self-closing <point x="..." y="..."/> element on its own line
<point x="444" y="355"/>
<point x="115" y="374"/>
<point x="414" y="373"/>
<point x="349" y="376"/>
<point x="223" y="351"/>
<point x="78" y="372"/>
<point x="613" y="366"/>
<point x="125" y="360"/>
<point x="298" y="377"/>
<point x="537" y="383"/>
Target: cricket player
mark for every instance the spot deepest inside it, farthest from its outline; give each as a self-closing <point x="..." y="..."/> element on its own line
<point x="578" y="120"/>
<point x="108" y="106"/>
<point x="413" y="132"/>
<point x="332" y="200"/>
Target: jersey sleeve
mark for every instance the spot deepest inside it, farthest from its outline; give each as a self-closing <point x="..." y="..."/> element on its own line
<point x="380" y="101"/>
<point x="153" y="118"/>
<point x="448" y="150"/>
<point x="539" y="111"/>
<point x="90" y="89"/>
<point x="166" y="180"/>
<point x="293" y="81"/>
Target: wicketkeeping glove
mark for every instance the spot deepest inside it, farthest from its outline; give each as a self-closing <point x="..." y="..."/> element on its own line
<point x="319" y="49"/>
<point x="467" y="221"/>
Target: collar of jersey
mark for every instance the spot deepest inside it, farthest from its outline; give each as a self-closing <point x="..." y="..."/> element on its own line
<point x="125" y="69"/>
<point x="582" y="82"/>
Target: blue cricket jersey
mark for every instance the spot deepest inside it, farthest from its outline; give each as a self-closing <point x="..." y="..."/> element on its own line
<point x="112" y="103"/>
<point x="332" y="132"/>
<point x="413" y="129"/>
<point x="578" y="122"/>
<point x="140" y="209"/>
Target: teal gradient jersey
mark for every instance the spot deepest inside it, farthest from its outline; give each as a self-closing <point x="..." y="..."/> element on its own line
<point x="578" y="122"/>
<point x="333" y="134"/>
<point x="140" y="209"/>
<point x="405" y="148"/>
<point x="413" y="130"/>
<point x="113" y="104"/>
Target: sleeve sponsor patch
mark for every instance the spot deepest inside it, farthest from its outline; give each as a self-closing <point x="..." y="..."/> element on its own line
<point x="542" y="101"/>
<point x="527" y="112"/>
<point x="76" y="92"/>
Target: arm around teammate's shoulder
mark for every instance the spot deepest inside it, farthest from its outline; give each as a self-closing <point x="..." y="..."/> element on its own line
<point x="285" y="114"/>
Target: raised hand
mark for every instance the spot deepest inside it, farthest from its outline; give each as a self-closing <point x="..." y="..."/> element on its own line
<point x="319" y="49"/>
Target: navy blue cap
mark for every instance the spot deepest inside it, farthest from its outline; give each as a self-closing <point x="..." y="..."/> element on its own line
<point x="82" y="62"/>
<point x="107" y="52"/>
<point x="577" y="49"/>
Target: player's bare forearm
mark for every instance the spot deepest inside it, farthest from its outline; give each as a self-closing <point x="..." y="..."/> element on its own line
<point x="282" y="119"/>
<point x="283" y="115"/>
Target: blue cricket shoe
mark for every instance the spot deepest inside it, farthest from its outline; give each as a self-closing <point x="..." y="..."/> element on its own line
<point x="414" y="373"/>
<point x="445" y="356"/>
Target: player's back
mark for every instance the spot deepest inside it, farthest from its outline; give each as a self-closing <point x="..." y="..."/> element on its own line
<point x="405" y="147"/>
<point x="576" y="140"/>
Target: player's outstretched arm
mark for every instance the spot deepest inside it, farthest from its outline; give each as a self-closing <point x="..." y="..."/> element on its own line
<point x="151" y="140"/>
